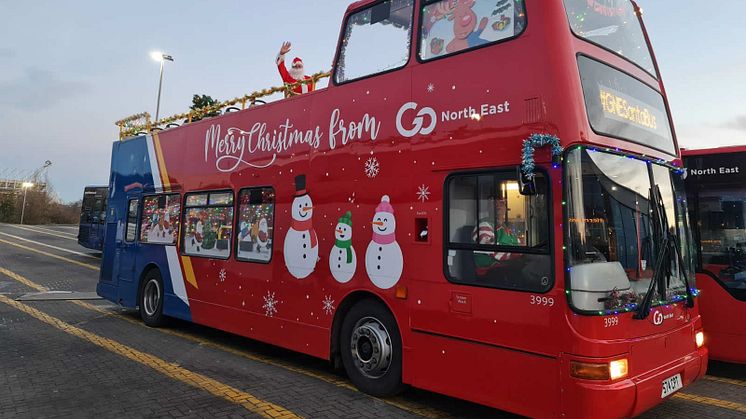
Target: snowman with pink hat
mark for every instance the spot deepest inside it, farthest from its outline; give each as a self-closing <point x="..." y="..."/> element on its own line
<point x="383" y="259"/>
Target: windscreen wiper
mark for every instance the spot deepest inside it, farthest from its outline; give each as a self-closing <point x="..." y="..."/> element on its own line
<point x="668" y="241"/>
<point x="658" y="238"/>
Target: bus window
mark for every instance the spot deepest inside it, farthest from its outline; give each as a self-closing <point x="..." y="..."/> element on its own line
<point x="450" y="26"/>
<point x="376" y="40"/>
<point x="208" y="224"/>
<point x="159" y="221"/>
<point x="131" y="228"/>
<point x="256" y="210"/>
<point x="498" y="237"/>
<point x="613" y="25"/>
<point x="721" y="212"/>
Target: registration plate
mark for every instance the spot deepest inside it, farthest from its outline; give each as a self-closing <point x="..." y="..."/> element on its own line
<point x="670" y="385"/>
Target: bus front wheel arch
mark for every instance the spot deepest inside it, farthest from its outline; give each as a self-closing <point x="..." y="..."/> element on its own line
<point x="370" y="348"/>
<point x="150" y="298"/>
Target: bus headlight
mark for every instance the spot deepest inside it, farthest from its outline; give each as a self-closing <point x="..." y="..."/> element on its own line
<point x="618" y="369"/>
<point x="613" y="370"/>
<point x="699" y="337"/>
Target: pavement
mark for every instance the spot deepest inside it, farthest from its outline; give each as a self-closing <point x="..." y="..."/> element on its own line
<point x="65" y="353"/>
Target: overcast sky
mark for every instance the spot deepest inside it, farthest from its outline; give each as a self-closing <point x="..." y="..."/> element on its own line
<point x="68" y="69"/>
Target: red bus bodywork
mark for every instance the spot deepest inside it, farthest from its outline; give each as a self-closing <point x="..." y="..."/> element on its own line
<point x="719" y="303"/>
<point x="486" y="345"/>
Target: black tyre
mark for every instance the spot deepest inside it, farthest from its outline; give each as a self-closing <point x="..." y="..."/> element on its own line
<point x="371" y="349"/>
<point x="151" y="299"/>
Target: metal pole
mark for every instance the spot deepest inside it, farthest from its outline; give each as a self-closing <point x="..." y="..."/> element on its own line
<point x="23" y="207"/>
<point x="160" y="84"/>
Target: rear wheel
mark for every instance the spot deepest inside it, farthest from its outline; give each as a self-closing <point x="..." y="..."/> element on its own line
<point x="151" y="299"/>
<point x="371" y="349"/>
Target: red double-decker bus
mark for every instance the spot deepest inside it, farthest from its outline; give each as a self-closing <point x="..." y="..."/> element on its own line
<point x="483" y="203"/>
<point x="716" y="190"/>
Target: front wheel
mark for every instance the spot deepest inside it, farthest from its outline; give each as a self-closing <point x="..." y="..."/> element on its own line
<point x="151" y="299"/>
<point x="371" y="349"/>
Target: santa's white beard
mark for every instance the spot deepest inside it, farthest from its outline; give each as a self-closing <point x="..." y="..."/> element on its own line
<point x="296" y="73"/>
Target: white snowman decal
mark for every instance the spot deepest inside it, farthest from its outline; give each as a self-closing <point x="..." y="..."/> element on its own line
<point x="301" y="248"/>
<point x="383" y="259"/>
<point x="342" y="258"/>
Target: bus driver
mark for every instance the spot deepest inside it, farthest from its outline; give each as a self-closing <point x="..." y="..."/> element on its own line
<point x="497" y="232"/>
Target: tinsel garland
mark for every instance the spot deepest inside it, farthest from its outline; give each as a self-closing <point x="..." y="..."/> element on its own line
<point x="532" y="143"/>
<point x="128" y="129"/>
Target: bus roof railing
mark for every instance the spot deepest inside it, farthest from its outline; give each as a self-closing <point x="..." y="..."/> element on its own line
<point x="141" y="123"/>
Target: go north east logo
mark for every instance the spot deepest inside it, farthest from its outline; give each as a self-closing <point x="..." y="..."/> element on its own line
<point x="426" y="119"/>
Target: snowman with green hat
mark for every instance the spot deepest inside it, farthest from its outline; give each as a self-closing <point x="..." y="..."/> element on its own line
<point x="342" y="259"/>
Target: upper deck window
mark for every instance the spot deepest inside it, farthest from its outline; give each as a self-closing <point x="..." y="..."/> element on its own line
<point x="451" y="26"/>
<point x="376" y="40"/>
<point x="611" y="24"/>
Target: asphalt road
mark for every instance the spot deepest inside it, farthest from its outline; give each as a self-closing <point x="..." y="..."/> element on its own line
<point x="65" y="353"/>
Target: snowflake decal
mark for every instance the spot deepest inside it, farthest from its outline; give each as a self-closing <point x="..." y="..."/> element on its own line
<point x="423" y="193"/>
<point x="270" y="304"/>
<point x="372" y="167"/>
<point x="222" y="275"/>
<point x="430" y="88"/>
<point x="328" y="305"/>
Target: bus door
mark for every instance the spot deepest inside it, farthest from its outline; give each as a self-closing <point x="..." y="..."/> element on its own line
<point x="127" y="246"/>
<point x="97" y="221"/>
<point x="497" y="295"/>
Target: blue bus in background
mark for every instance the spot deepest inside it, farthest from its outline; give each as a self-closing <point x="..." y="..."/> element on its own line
<point x="93" y="217"/>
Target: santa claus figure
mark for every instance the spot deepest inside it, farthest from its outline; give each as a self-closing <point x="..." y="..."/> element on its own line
<point x="296" y="72"/>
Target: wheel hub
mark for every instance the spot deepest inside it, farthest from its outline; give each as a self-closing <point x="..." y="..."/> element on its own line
<point x="151" y="297"/>
<point x="371" y="347"/>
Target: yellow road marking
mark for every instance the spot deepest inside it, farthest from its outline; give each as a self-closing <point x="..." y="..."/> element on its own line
<point x="52" y="255"/>
<point x="724" y="404"/>
<point x="725" y="380"/>
<point x="22" y="280"/>
<point x="398" y="402"/>
<point x="40" y="230"/>
<point x="216" y="388"/>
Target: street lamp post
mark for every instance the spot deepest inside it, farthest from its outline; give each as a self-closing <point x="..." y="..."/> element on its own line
<point x="162" y="58"/>
<point x="25" y="186"/>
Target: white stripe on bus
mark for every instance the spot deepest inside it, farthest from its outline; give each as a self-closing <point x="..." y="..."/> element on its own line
<point x="177" y="279"/>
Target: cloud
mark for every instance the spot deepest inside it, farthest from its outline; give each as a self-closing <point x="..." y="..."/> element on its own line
<point x="38" y="89"/>
<point x="737" y="123"/>
<point x="6" y="53"/>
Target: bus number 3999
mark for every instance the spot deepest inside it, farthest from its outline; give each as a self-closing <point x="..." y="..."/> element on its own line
<point x="538" y="300"/>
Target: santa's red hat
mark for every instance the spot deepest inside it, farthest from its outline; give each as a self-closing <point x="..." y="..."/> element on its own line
<point x="297" y="60"/>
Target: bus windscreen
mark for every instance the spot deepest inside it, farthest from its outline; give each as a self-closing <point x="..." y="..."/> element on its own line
<point x="621" y="106"/>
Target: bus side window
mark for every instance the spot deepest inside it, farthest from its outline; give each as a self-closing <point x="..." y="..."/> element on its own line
<point x="208" y="224"/>
<point x="159" y="221"/>
<point x="376" y="40"/>
<point x="496" y="236"/>
<point x="131" y="227"/>
<point x="256" y="211"/>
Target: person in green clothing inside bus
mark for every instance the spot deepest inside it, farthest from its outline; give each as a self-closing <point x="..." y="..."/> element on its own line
<point x="495" y="231"/>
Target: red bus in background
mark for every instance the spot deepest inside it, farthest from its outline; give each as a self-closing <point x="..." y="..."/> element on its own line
<point x="716" y="191"/>
<point x="482" y="203"/>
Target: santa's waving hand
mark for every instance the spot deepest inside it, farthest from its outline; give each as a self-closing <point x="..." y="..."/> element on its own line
<point x="296" y="72"/>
